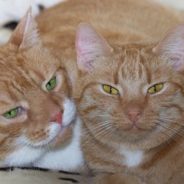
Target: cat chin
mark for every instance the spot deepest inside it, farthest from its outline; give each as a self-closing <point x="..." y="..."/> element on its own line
<point x="54" y="130"/>
<point x="147" y="141"/>
<point x="143" y="140"/>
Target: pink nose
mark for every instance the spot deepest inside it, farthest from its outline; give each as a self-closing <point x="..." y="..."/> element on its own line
<point x="57" y="118"/>
<point x="134" y="115"/>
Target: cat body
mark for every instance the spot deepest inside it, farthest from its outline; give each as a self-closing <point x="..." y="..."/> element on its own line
<point x="38" y="114"/>
<point x="127" y="25"/>
<point x="128" y="87"/>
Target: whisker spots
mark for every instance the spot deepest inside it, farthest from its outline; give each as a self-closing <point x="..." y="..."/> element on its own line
<point x="39" y="135"/>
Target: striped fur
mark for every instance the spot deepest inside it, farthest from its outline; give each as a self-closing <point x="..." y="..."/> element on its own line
<point x="149" y="151"/>
<point x="26" y="67"/>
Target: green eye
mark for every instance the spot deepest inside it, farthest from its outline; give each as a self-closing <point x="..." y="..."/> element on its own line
<point x="11" y="113"/>
<point x="51" y="84"/>
<point x="156" y="88"/>
<point x="110" y="90"/>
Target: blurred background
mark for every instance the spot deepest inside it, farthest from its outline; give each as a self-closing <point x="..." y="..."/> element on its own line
<point x="12" y="10"/>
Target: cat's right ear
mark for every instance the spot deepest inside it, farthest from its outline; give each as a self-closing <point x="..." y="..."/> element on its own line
<point x="26" y="32"/>
<point x="172" y="48"/>
<point x="89" y="46"/>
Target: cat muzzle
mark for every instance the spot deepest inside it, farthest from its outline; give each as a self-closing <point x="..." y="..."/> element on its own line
<point x="57" y="118"/>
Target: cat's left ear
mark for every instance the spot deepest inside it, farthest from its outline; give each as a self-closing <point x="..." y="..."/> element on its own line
<point x="90" y="46"/>
<point x="172" y="48"/>
<point x="26" y="32"/>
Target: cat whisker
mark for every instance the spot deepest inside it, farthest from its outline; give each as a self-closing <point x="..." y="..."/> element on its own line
<point x="107" y="116"/>
<point x="170" y="120"/>
<point x="101" y="130"/>
<point x="174" y="131"/>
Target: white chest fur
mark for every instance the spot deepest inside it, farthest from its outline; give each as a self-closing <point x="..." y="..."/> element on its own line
<point x="24" y="156"/>
<point x="68" y="158"/>
<point x="132" y="158"/>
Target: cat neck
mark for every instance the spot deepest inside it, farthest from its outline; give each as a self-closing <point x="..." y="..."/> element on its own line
<point x="131" y="158"/>
<point x="138" y="157"/>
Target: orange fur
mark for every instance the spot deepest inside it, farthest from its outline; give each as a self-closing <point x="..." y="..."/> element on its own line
<point x="26" y="67"/>
<point x="133" y="30"/>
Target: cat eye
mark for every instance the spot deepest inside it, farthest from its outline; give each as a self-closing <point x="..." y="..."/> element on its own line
<point x="110" y="90"/>
<point x="156" y="88"/>
<point x="51" y="84"/>
<point x="13" y="113"/>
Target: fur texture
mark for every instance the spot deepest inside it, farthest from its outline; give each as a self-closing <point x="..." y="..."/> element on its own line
<point x="128" y="129"/>
<point x="45" y="119"/>
<point x="123" y="49"/>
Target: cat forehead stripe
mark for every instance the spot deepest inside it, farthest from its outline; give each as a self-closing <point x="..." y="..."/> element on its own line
<point x="133" y="65"/>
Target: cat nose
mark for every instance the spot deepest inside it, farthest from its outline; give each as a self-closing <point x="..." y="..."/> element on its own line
<point x="134" y="115"/>
<point x="56" y="118"/>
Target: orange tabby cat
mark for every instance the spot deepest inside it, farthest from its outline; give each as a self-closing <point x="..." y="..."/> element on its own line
<point x="37" y="114"/>
<point x="130" y="86"/>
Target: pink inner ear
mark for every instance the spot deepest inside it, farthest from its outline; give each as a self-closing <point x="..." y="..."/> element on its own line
<point x="89" y="46"/>
<point x="85" y="50"/>
<point x="172" y="47"/>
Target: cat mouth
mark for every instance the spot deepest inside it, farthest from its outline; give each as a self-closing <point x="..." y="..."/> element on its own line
<point x="57" y="118"/>
<point x="59" y="129"/>
<point x="134" y="128"/>
<point x="56" y="133"/>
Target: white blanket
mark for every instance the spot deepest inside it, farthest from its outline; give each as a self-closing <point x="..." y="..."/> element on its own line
<point x="14" y="10"/>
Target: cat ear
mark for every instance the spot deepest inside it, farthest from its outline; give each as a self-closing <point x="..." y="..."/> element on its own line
<point x="89" y="46"/>
<point x="26" y="32"/>
<point x="172" y="48"/>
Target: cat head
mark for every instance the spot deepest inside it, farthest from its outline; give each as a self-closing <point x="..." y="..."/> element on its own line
<point x="131" y="94"/>
<point x="35" y="106"/>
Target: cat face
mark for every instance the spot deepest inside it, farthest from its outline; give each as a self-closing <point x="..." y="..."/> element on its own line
<point x="35" y="109"/>
<point x="132" y="95"/>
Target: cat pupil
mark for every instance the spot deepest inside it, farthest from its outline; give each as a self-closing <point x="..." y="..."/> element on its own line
<point x="109" y="89"/>
<point x="51" y="84"/>
<point x="12" y="113"/>
<point x="156" y="88"/>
